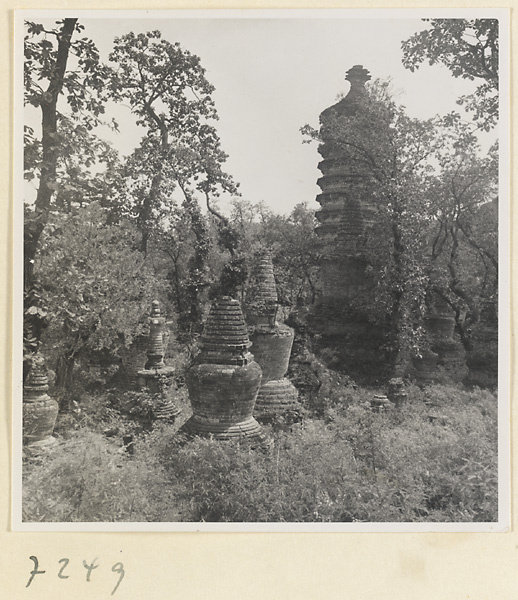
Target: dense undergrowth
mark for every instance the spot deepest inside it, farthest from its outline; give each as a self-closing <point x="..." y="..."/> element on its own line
<point x="435" y="460"/>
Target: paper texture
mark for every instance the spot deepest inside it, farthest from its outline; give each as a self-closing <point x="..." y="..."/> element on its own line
<point x="232" y="565"/>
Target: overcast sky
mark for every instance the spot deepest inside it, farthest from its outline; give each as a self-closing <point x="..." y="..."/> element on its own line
<point x="272" y="76"/>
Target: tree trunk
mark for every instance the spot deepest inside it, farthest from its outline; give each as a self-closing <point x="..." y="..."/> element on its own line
<point x="48" y="103"/>
<point x="146" y="212"/>
<point x="456" y="287"/>
<point x="150" y="201"/>
<point x="64" y="378"/>
<point x="399" y="312"/>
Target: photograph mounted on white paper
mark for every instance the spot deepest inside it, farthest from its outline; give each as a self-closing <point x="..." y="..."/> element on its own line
<point x="261" y="270"/>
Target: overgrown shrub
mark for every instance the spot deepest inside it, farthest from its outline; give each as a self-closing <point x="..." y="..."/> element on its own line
<point x="90" y="479"/>
<point x="435" y="460"/>
<point x="97" y="288"/>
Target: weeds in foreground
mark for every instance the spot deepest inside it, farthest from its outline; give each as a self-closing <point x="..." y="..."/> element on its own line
<point x="434" y="461"/>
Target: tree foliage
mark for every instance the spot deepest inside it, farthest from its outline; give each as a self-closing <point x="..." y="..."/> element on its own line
<point x="60" y="71"/>
<point x="47" y="78"/>
<point x="470" y="50"/>
<point x="292" y="242"/>
<point x="87" y="169"/>
<point x="463" y="200"/>
<point x="167" y="91"/>
<point x="96" y="285"/>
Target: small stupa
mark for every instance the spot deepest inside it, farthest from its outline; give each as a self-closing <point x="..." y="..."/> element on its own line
<point x="40" y="411"/>
<point x="224" y="381"/>
<point x="482" y="359"/>
<point x="396" y="392"/>
<point x="157" y="377"/>
<point x="272" y="343"/>
<point x="444" y="361"/>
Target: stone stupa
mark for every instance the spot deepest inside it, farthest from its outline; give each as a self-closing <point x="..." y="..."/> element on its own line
<point x="40" y="411"/>
<point x="272" y="343"/>
<point x="224" y="381"/>
<point x="157" y="377"/>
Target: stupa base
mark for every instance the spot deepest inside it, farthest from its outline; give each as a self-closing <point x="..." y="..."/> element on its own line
<point x="154" y="379"/>
<point x="39" y="419"/>
<point x="276" y="398"/>
<point x="159" y="382"/>
<point x="197" y="425"/>
<point x="37" y="447"/>
<point x="166" y="410"/>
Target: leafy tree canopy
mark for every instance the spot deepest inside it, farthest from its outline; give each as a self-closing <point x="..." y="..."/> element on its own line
<point x="46" y="53"/>
<point x="469" y="49"/>
<point x="58" y="67"/>
<point x="97" y="288"/>
<point x="166" y="89"/>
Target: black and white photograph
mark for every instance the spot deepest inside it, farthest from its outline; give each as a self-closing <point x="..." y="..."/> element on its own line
<point x="262" y="274"/>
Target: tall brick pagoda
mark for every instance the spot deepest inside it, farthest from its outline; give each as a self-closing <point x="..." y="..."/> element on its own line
<point x="346" y="208"/>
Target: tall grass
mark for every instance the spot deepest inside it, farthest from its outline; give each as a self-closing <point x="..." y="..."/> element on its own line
<point x="435" y="460"/>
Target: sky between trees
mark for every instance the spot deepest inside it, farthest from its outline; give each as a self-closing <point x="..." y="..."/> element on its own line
<point x="272" y="76"/>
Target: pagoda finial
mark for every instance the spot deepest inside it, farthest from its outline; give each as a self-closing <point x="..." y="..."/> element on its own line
<point x="262" y="300"/>
<point x="357" y="76"/>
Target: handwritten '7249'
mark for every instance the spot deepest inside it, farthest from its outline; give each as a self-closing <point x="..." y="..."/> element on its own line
<point x="116" y="568"/>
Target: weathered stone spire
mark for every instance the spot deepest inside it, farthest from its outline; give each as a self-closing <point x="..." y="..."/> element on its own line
<point x="266" y="288"/>
<point x="262" y="301"/>
<point x="357" y="76"/>
<point x="157" y="377"/>
<point x="225" y="335"/>
<point x="271" y="343"/>
<point x="345" y="203"/>
<point x="37" y="383"/>
<point x="348" y="208"/>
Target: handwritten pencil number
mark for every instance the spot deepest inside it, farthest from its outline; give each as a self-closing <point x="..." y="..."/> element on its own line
<point x="35" y="571"/>
<point x="65" y="562"/>
<point x="89" y="568"/>
<point x="118" y="568"/>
